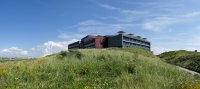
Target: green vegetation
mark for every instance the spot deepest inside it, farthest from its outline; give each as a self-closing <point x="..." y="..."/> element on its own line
<point x="12" y="59"/>
<point x="112" y="68"/>
<point x="186" y="59"/>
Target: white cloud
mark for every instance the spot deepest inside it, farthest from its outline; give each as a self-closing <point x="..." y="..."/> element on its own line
<point x="193" y="41"/>
<point x="95" y="27"/>
<point x="155" y="24"/>
<point x="51" y="47"/>
<point x="45" y="49"/>
<point x="14" y="52"/>
<point x="192" y="14"/>
<point x="123" y="11"/>
<point x="159" y="50"/>
<point x="90" y="22"/>
<point x="158" y="24"/>
<point x="149" y="14"/>
<point x="69" y="35"/>
<point x="82" y="29"/>
<point x="14" y="49"/>
<point x="125" y="15"/>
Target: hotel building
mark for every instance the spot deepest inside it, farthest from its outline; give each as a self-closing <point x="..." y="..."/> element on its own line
<point x="121" y="40"/>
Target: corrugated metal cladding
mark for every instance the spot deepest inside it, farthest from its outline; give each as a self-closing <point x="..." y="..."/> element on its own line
<point x="120" y="40"/>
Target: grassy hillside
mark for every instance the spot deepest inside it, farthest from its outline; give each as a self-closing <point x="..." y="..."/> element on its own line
<point x="113" y="68"/>
<point x="186" y="59"/>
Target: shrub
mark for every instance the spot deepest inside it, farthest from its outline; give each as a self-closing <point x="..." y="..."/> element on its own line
<point x="186" y="59"/>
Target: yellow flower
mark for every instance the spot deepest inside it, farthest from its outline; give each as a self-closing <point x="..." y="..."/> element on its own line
<point x="2" y="72"/>
<point x="86" y="87"/>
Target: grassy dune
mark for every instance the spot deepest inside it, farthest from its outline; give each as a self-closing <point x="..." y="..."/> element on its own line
<point x="186" y="59"/>
<point x="113" y="68"/>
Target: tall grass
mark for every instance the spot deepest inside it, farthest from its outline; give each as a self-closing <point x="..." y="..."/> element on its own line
<point x="186" y="59"/>
<point x="94" y="69"/>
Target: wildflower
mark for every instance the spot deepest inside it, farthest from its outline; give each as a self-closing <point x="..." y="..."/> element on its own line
<point x="2" y="72"/>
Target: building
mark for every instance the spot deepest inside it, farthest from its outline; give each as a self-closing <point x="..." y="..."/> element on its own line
<point x="91" y="41"/>
<point x="121" y="40"/>
<point x="75" y="45"/>
<point x="128" y="40"/>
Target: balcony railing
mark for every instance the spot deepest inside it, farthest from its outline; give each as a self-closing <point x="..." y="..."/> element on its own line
<point x="136" y="43"/>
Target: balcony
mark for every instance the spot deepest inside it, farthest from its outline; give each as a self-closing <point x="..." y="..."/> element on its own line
<point x="137" y="43"/>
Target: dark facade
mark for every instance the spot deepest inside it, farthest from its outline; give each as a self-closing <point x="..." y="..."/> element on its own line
<point x="94" y="42"/>
<point x="124" y="40"/>
<point x="75" y="45"/>
<point x="121" y="40"/>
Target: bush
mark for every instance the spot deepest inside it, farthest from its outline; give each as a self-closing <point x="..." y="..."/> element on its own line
<point x="186" y="59"/>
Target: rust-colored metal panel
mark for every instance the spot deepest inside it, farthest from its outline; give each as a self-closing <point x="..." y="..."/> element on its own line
<point x="100" y="42"/>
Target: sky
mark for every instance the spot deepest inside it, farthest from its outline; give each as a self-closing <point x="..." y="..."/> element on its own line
<point x="36" y="28"/>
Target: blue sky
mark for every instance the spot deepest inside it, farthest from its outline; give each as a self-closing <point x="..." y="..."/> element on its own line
<point x="34" y="28"/>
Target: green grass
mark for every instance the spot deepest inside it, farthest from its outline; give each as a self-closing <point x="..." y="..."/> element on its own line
<point x="112" y="68"/>
<point x="186" y="59"/>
